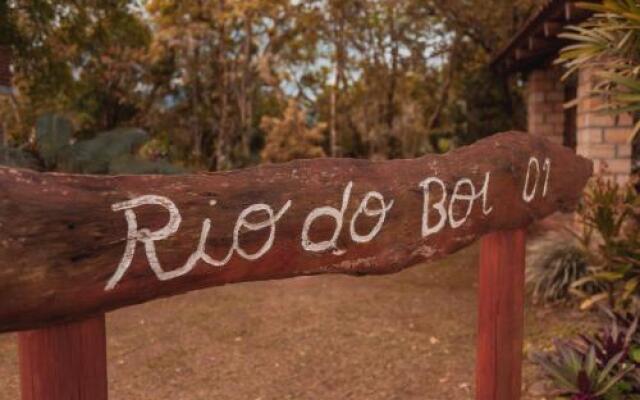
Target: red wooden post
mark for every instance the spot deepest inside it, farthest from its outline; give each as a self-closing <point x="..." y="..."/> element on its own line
<point x="500" y="316"/>
<point x="64" y="362"/>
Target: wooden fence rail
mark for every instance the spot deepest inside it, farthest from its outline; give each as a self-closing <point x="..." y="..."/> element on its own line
<point x="73" y="247"/>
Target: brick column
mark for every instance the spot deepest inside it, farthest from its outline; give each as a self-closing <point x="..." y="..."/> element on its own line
<point x="601" y="137"/>
<point x="545" y="99"/>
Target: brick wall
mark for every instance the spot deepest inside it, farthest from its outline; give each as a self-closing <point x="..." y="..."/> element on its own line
<point x="545" y="100"/>
<point x="602" y="138"/>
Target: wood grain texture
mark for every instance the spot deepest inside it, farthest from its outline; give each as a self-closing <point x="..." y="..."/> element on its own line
<point x="61" y="242"/>
<point x="500" y="316"/>
<point x="64" y="362"/>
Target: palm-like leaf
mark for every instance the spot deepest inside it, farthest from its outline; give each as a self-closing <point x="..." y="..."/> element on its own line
<point x="609" y="41"/>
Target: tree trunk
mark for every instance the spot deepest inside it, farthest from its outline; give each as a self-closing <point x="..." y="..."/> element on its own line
<point x="246" y="87"/>
<point x="222" y="159"/>
<point x="390" y="114"/>
<point x="339" y="79"/>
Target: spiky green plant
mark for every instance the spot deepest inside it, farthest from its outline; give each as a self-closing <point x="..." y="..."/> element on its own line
<point x="610" y="220"/>
<point x="578" y="376"/>
<point x="602" y="366"/>
<point x="620" y="337"/>
<point x="555" y="262"/>
<point x="609" y="42"/>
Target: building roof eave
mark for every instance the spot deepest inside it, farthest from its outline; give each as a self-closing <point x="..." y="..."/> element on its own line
<point x="537" y="41"/>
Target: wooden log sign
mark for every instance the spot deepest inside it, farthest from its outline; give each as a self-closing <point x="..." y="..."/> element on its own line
<point x="73" y="246"/>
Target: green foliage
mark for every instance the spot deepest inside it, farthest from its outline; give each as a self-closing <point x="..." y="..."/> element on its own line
<point x="112" y="152"/>
<point x="609" y="42"/>
<point x="83" y="59"/>
<point x="131" y="165"/>
<point x="7" y="25"/>
<point x="600" y="264"/>
<point x="94" y="156"/>
<point x="577" y="376"/>
<point x="14" y="157"/>
<point x="53" y="134"/>
<point x="603" y="366"/>
<point x="387" y="78"/>
<point x="610" y="220"/>
<point x="489" y="103"/>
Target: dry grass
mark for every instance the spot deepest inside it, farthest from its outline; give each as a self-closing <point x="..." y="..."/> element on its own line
<point x="406" y="336"/>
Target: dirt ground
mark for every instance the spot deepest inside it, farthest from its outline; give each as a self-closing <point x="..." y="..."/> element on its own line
<point x="406" y="336"/>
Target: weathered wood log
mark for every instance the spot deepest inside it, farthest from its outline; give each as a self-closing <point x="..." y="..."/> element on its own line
<point x="72" y="246"/>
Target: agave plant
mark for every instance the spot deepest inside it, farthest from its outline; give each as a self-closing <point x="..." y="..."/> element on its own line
<point x="620" y="337"/>
<point x="609" y="41"/>
<point x="600" y="366"/>
<point x="578" y="376"/>
<point x="555" y="262"/>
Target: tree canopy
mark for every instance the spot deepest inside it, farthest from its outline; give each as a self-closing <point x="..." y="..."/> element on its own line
<point x="223" y="83"/>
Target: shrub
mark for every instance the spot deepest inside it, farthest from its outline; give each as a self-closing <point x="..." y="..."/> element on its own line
<point x="609" y="42"/>
<point x="603" y="366"/>
<point x="554" y="263"/>
<point x="601" y="263"/>
<point x="610" y="220"/>
<point x="55" y="149"/>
